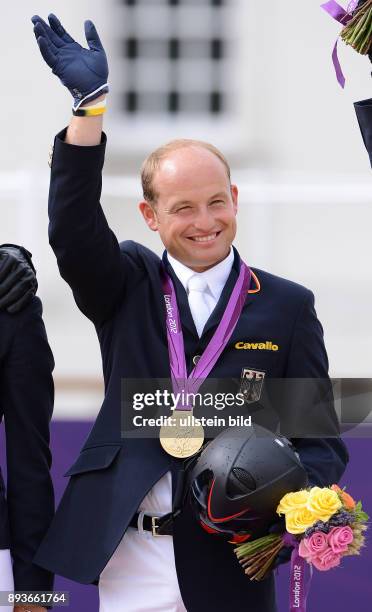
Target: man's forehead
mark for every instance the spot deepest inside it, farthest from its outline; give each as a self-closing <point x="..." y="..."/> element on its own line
<point x="192" y="155"/>
<point x="191" y="167"/>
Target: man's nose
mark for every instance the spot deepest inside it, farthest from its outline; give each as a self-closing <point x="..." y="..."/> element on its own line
<point x="204" y="220"/>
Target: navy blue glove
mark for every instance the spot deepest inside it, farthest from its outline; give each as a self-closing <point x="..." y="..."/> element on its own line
<point x="284" y="555"/>
<point x="83" y="71"/>
<point x="18" y="283"/>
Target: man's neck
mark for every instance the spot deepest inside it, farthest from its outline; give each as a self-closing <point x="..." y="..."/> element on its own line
<point x="203" y="268"/>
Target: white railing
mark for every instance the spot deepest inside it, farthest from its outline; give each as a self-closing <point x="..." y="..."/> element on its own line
<point x="315" y="232"/>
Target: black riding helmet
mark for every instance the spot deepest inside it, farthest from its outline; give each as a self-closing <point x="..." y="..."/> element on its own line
<point x="238" y="479"/>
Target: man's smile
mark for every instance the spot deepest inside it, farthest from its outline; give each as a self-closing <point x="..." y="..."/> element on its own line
<point x="206" y="238"/>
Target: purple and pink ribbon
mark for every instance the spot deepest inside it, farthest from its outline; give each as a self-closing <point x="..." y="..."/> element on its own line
<point x="299" y="585"/>
<point x="339" y="14"/>
<point x="180" y="380"/>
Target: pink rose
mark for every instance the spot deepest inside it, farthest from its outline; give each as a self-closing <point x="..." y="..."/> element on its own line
<point x="303" y="549"/>
<point x="317" y="542"/>
<point x="326" y="560"/>
<point x="339" y="538"/>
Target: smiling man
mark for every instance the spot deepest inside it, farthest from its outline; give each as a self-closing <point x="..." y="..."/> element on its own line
<point x="104" y="531"/>
<point x="190" y="201"/>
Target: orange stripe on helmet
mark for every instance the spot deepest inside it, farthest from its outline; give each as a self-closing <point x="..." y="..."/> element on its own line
<point x="225" y="518"/>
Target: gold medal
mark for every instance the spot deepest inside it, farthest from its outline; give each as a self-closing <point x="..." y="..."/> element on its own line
<point x="182" y="436"/>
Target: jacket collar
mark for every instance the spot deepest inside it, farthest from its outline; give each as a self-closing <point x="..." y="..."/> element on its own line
<point x="215" y="317"/>
<point x="216" y="276"/>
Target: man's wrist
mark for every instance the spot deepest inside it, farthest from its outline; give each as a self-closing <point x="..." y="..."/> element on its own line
<point x="94" y="102"/>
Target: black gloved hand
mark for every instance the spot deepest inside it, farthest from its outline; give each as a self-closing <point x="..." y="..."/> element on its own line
<point x="284" y="555"/>
<point x="18" y="282"/>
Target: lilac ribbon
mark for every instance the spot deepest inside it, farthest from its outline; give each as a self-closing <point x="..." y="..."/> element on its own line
<point x="298" y="587"/>
<point x="337" y="12"/>
<point x="352" y="6"/>
<point x="180" y="380"/>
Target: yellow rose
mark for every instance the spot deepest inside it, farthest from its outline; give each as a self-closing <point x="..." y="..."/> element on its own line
<point x="297" y="521"/>
<point x="323" y="503"/>
<point x="293" y="501"/>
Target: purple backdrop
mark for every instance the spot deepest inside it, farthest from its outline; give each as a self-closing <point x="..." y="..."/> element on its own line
<point x="348" y="587"/>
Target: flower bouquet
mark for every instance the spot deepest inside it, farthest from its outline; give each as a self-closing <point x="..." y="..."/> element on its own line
<point x="357" y="29"/>
<point x="322" y="524"/>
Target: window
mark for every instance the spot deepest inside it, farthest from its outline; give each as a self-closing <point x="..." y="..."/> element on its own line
<point x="175" y="54"/>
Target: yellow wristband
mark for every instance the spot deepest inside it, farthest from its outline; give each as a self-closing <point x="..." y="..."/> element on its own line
<point x="91" y="111"/>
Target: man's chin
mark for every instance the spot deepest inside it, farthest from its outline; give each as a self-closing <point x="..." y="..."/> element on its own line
<point x="206" y="260"/>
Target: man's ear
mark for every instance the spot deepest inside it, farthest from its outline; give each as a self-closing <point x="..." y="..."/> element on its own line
<point x="234" y="196"/>
<point x="149" y="214"/>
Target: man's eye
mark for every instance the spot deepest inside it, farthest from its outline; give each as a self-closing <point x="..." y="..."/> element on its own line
<point x="218" y="202"/>
<point x="183" y="208"/>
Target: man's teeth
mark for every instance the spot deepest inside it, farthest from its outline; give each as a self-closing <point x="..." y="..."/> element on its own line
<point x="204" y="238"/>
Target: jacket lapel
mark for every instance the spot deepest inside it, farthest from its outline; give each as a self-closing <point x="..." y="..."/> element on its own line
<point x="217" y="313"/>
<point x="220" y="307"/>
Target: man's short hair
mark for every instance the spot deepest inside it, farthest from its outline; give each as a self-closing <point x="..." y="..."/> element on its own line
<point x="152" y="163"/>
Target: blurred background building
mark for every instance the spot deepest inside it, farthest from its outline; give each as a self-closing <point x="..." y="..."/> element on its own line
<point x="254" y="78"/>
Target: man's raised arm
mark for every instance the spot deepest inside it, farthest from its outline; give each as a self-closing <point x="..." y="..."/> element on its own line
<point x="87" y="251"/>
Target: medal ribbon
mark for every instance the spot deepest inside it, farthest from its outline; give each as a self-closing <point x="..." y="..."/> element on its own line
<point x="180" y="380"/>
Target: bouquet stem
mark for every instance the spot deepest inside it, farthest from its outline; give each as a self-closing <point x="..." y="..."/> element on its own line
<point x="358" y="31"/>
<point x="256" y="557"/>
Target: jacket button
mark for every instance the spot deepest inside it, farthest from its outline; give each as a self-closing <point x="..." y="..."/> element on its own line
<point x="195" y="359"/>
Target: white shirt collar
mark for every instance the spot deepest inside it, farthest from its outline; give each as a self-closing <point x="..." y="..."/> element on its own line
<point x="216" y="277"/>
